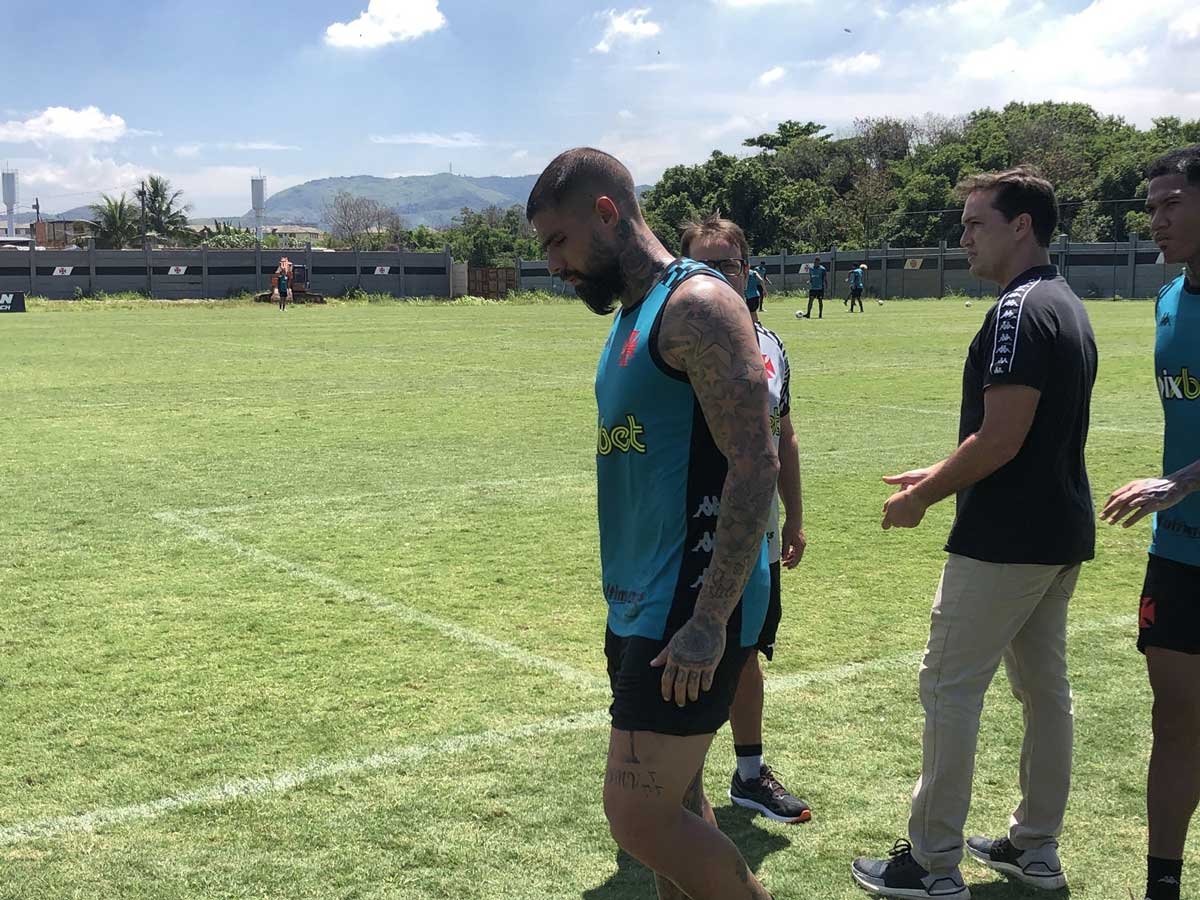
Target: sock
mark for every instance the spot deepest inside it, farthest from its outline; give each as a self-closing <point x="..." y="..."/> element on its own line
<point x="1162" y="878"/>
<point x="749" y="760"/>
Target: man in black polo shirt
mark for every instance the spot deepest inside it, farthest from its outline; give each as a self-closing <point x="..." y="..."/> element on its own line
<point x="1024" y="525"/>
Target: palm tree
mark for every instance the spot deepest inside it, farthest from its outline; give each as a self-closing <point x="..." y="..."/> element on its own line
<point x="117" y="222"/>
<point x="165" y="215"/>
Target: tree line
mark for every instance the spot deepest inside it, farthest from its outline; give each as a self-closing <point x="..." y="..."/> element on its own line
<point x="800" y="188"/>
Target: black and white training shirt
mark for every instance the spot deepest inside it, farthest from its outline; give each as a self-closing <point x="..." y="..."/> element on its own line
<point x="1038" y="507"/>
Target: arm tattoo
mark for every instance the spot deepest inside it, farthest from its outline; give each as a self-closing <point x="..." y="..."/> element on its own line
<point x="708" y="334"/>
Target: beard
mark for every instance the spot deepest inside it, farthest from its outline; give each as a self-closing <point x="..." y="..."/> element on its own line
<point x="602" y="284"/>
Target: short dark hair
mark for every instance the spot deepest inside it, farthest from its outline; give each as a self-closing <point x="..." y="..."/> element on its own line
<point x="583" y="171"/>
<point x="1184" y="162"/>
<point x="713" y="226"/>
<point x="1020" y="190"/>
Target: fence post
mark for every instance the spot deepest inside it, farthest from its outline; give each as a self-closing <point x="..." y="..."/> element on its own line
<point x="204" y="270"/>
<point x="520" y="286"/>
<point x="258" y="269"/>
<point x="403" y="288"/>
<point x="903" y="272"/>
<point x="149" y="270"/>
<point x="941" y="269"/>
<point x="92" y="266"/>
<point x="33" y="267"/>
<point x="1064" y="256"/>
<point x="1133" y="249"/>
<point x="308" y="262"/>
<point x="883" y="291"/>
<point x="833" y="279"/>
<point x="449" y="273"/>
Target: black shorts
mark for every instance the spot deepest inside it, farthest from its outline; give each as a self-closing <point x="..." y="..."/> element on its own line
<point x="856" y="293"/>
<point x="766" y="637"/>
<point x="814" y="294"/>
<point x="1170" y="608"/>
<point x="637" y="689"/>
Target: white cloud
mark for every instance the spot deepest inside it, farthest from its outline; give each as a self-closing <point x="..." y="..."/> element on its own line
<point x="188" y="150"/>
<point x="978" y="9"/>
<point x="862" y="64"/>
<point x="458" y="139"/>
<point x="771" y="76"/>
<point x="65" y="124"/>
<point x="630" y="25"/>
<point x="1185" y="29"/>
<point x="658" y="67"/>
<point x="520" y="154"/>
<point x="386" y="22"/>
<point x="624" y="114"/>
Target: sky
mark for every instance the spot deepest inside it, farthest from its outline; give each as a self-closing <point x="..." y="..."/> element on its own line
<point x="211" y="93"/>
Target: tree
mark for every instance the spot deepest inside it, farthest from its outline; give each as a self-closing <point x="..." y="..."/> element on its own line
<point x="117" y="222"/>
<point x="362" y="222"/>
<point x="788" y="131"/>
<point x="166" y="215"/>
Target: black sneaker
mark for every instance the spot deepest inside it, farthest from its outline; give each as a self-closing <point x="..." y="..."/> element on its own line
<point x="769" y="797"/>
<point x="1037" y="868"/>
<point x="902" y="876"/>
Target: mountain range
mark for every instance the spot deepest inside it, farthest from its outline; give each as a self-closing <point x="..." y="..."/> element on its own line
<point x="431" y="200"/>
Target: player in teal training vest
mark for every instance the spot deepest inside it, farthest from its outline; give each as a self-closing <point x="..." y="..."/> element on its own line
<point x="686" y="468"/>
<point x="1169" y="623"/>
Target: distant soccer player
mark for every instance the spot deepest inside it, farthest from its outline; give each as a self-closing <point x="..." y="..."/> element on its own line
<point x="721" y="244"/>
<point x="1024" y="525"/>
<point x="816" y="288"/>
<point x="283" y="275"/>
<point x="1169" y="626"/>
<point x="855" y="280"/>
<point x="754" y="286"/>
<point x="686" y="468"/>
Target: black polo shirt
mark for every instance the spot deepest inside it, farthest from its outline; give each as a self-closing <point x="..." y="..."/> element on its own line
<point x="1038" y="507"/>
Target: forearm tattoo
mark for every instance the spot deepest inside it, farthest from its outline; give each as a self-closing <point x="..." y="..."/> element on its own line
<point x="711" y="337"/>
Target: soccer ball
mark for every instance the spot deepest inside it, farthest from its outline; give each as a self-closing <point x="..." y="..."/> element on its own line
<point x="880" y="302"/>
<point x="799" y="314"/>
<point x="967" y="304"/>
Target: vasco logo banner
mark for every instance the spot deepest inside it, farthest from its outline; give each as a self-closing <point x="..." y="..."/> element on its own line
<point x="620" y="438"/>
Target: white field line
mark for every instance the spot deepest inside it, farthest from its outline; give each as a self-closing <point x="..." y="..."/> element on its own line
<point x="464" y="487"/>
<point x="384" y="604"/>
<point x="287" y="780"/>
<point x="467" y="487"/>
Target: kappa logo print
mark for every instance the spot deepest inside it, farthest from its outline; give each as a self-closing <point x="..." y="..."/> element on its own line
<point x="706" y="543"/>
<point x="629" y="349"/>
<point x="1165" y="320"/>
<point x="1008" y="318"/>
<point x="621" y="438"/>
<point x="709" y="506"/>
<point x="699" y="582"/>
<point x="1184" y="386"/>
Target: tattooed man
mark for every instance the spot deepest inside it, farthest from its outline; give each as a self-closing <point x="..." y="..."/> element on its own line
<point x="686" y="469"/>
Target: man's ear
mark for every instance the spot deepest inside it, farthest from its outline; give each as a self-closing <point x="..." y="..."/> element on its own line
<point x="607" y="210"/>
<point x="1023" y="224"/>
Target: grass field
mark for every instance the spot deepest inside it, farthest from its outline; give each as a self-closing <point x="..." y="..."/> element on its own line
<point x="306" y="604"/>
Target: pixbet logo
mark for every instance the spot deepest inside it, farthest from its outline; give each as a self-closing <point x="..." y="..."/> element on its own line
<point x="622" y="438"/>
<point x="1183" y="386"/>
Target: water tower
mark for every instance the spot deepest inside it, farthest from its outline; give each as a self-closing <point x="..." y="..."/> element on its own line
<point x="10" y="199"/>
<point x="258" y="202"/>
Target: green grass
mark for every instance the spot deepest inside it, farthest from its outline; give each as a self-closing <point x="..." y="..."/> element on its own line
<point x="208" y="509"/>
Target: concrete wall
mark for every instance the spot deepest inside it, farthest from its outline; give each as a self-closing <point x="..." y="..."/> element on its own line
<point x="202" y="273"/>
<point x="1124" y="269"/>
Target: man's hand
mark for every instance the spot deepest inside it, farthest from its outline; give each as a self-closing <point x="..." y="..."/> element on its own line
<point x="792" y="544"/>
<point x="907" y="479"/>
<point x="904" y="509"/>
<point x="690" y="659"/>
<point x="1141" y="498"/>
